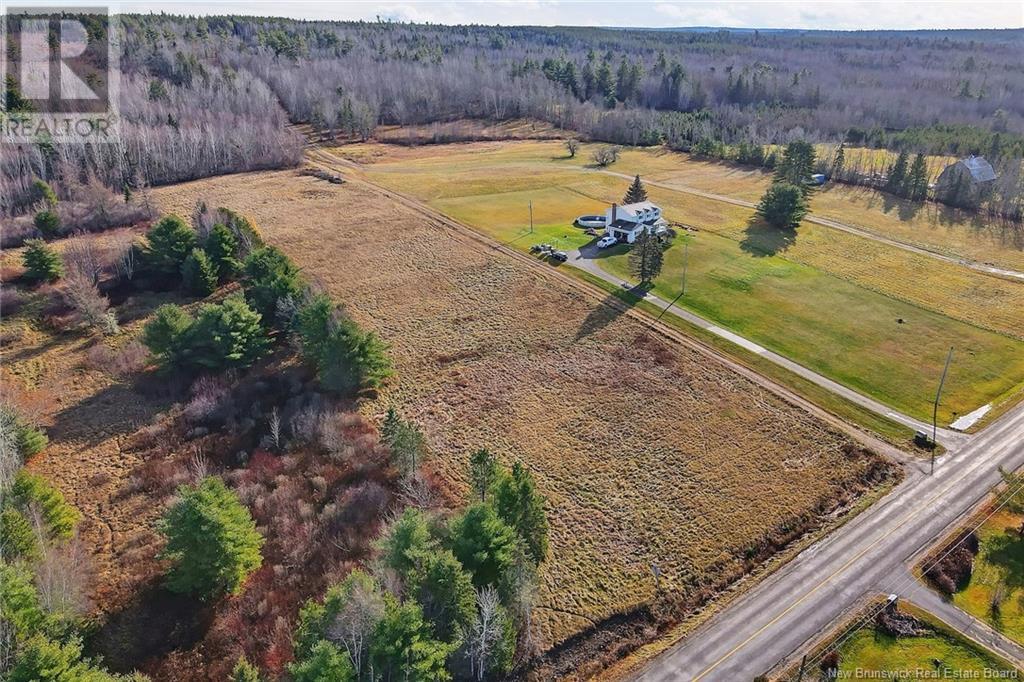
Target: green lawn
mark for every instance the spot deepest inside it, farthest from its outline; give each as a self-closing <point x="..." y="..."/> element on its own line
<point x="871" y="650"/>
<point x="998" y="567"/>
<point x="821" y="303"/>
<point x="839" y="329"/>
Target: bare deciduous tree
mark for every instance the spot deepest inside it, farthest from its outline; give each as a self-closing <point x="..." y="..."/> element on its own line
<point x="485" y="632"/>
<point x="92" y="307"/>
<point x="354" y="624"/>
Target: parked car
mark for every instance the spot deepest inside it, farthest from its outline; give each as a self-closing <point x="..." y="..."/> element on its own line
<point x="560" y="256"/>
<point x="606" y="241"/>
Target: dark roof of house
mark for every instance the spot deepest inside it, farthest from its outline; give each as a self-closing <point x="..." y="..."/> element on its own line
<point x="980" y="169"/>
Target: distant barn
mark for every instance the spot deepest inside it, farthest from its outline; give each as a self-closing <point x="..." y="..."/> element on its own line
<point x="966" y="182"/>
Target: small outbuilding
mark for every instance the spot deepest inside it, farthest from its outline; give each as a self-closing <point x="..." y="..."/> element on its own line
<point x="966" y="182"/>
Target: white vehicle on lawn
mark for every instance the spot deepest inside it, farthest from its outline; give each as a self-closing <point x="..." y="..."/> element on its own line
<point x="606" y="241"/>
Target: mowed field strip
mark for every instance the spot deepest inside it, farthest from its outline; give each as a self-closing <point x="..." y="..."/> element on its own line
<point x="874" y="317"/>
<point x="635" y="439"/>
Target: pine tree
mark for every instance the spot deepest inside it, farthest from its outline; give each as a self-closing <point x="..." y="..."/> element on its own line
<point x="169" y="243"/>
<point x="212" y="540"/>
<point x="42" y="264"/>
<point x="796" y="166"/>
<point x="636" y="192"/>
<point x="839" y="162"/>
<point x="646" y="258"/>
<point x="222" y="246"/>
<point x="917" y="182"/>
<point x="198" y="275"/>
<point x="896" y="183"/>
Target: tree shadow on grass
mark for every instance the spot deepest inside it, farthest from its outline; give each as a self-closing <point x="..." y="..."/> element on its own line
<point x="905" y="209"/>
<point x="155" y="623"/>
<point x="761" y="239"/>
<point x="1006" y="551"/>
<point x="614" y="306"/>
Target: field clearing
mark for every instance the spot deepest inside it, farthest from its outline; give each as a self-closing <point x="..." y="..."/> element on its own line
<point x="939" y="653"/>
<point x="998" y="566"/>
<point x="749" y="280"/>
<point x="89" y="416"/>
<point x="635" y="441"/>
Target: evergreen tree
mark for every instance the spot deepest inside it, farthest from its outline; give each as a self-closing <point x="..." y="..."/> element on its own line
<point x="31" y="491"/>
<point x="222" y="248"/>
<point x="198" y="275"/>
<point x="483" y="472"/>
<point x="839" y="162"/>
<point x="244" y="671"/>
<point x="326" y="662"/>
<point x="212" y="541"/>
<point x="347" y="358"/>
<point x="270" y="275"/>
<point x="896" y="182"/>
<point x="445" y="591"/>
<point x="782" y="206"/>
<point x="917" y="181"/>
<point x="225" y="336"/>
<point x="797" y="165"/>
<point x="645" y="260"/>
<point x="42" y="263"/>
<point x="407" y="540"/>
<point x="521" y="506"/>
<point x="403" y="647"/>
<point x="484" y="544"/>
<point x="165" y="334"/>
<point x="47" y="222"/>
<point x="636" y="192"/>
<point x="169" y="243"/>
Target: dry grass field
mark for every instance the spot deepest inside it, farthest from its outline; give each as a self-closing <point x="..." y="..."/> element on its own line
<point x="648" y="451"/>
<point x="90" y="413"/>
<point x="878" y="318"/>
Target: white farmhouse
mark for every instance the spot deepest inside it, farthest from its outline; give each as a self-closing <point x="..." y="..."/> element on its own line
<point x="626" y="222"/>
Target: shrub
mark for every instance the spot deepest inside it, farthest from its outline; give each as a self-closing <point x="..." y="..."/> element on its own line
<point x="92" y="307"/>
<point x="198" y="275"/>
<point x="270" y="275"/>
<point x="42" y="659"/>
<point x="212" y="541"/>
<point x="42" y="264"/>
<point x="222" y="248"/>
<point x="783" y="205"/>
<point x="169" y="243"/>
<point x="47" y="222"/>
<point x="347" y="358"/>
<point x="119" y="362"/>
<point x="30" y="491"/>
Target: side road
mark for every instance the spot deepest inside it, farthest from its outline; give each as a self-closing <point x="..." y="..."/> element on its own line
<point x="867" y="555"/>
<point x="584" y="260"/>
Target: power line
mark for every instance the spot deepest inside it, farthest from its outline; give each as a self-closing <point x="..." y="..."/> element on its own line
<point x="911" y="581"/>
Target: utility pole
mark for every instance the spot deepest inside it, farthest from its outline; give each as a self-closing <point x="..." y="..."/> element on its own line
<point x="803" y="664"/>
<point x="935" y="408"/>
<point x="531" y="216"/>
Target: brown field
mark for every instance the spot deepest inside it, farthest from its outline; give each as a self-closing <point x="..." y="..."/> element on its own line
<point x="648" y="450"/>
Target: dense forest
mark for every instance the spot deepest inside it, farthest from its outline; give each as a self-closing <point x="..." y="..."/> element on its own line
<point x="210" y="95"/>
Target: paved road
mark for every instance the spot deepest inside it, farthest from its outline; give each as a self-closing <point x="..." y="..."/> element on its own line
<point x="828" y="222"/>
<point x="585" y="259"/>
<point x="866" y="556"/>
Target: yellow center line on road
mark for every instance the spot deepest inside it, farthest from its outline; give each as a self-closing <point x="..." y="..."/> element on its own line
<point x="835" y="573"/>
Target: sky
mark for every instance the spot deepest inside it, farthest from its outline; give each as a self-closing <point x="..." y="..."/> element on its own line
<point x="816" y="14"/>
